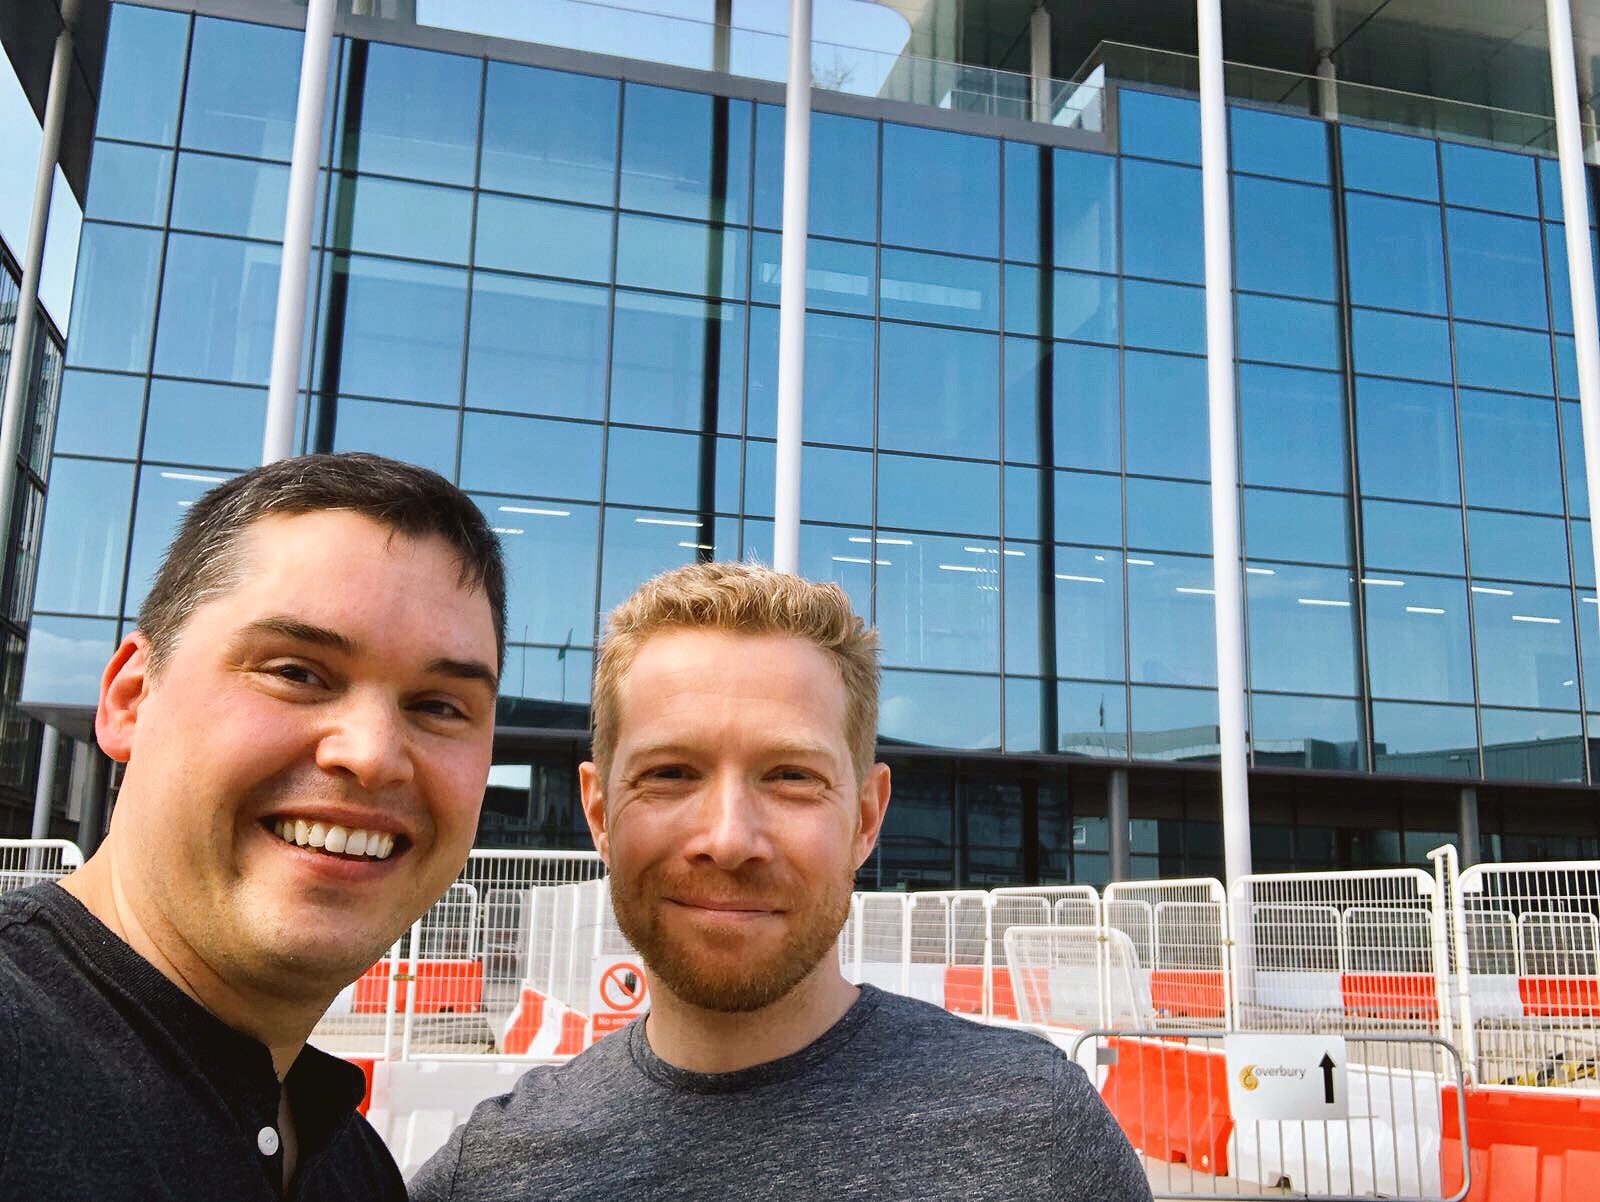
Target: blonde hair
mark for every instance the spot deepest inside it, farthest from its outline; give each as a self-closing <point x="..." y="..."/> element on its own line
<point x="739" y="598"/>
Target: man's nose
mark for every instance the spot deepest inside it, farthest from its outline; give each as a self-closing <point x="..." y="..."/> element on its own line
<point x="730" y="824"/>
<point x="368" y="740"/>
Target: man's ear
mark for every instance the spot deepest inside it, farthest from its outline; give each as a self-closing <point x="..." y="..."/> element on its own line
<point x="591" y="789"/>
<point x="872" y="803"/>
<point x="123" y="687"/>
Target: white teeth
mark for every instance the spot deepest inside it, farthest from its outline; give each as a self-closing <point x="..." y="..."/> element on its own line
<point x="377" y="845"/>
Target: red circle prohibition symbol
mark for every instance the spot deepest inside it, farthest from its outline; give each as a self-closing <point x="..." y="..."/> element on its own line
<point x="622" y="986"/>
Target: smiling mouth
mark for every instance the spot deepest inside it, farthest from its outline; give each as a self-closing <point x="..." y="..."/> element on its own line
<point x="341" y="842"/>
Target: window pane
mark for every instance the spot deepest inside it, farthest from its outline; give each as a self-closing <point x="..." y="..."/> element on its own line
<point x="680" y="256"/>
<point x="651" y="467"/>
<point x="165" y="494"/>
<point x="939" y="710"/>
<point x="65" y="659"/>
<point x="569" y="153"/>
<point x="1518" y="745"/>
<point x="1424" y="740"/>
<point x="1284" y="238"/>
<point x="1164" y="317"/>
<point x="230" y="196"/>
<point x="641" y="545"/>
<point x="549" y="553"/>
<point x="1412" y="538"/>
<point x="685" y="154"/>
<point x="1022" y="201"/>
<point x="1490" y="357"/>
<point x="537" y="347"/>
<point x="530" y="456"/>
<point x="940" y="190"/>
<point x="1091" y="719"/>
<point x="1084" y="197"/>
<point x="1063" y="304"/>
<point x="1299" y="526"/>
<point x="114" y="295"/>
<point x="1083" y="586"/>
<point x="1509" y="546"/>
<point x="844" y="173"/>
<point x="673" y="361"/>
<point x="1164" y="399"/>
<point x="1555" y="265"/>
<point x="419" y="113"/>
<point x="397" y="326"/>
<point x="1488" y="179"/>
<point x="218" y="304"/>
<point x="1292" y="428"/>
<point x="1306" y="732"/>
<point x="85" y="536"/>
<point x="1299" y="333"/>
<point x="842" y="557"/>
<point x="937" y="494"/>
<point x="1067" y="393"/>
<point x="1406" y="440"/>
<point x="243" y="84"/>
<point x="543" y="238"/>
<point x="129" y="184"/>
<point x="98" y="414"/>
<point x="1497" y="269"/>
<point x="838" y="376"/>
<point x="1171" y="627"/>
<point x="1392" y="163"/>
<point x="1158" y="127"/>
<point x="1275" y="144"/>
<point x="1161" y="226"/>
<point x="143" y="78"/>
<point x="1088" y="506"/>
<point x="389" y="217"/>
<point x="1572" y="452"/>
<point x="218" y="425"/>
<point x="835" y="486"/>
<point x="1417" y="640"/>
<point x="1302" y="630"/>
<point x="936" y="391"/>
<point x="939" y="604"/>
<point x="1396" y="253"/>
<point x="1174" y="725"/>
<point x="1509" y="448"/>
<point x="1392" y="344"/>
<point x="959" y="292"/>
<point x="417" y="434"/>
<point x="839" y="275"/>
<point x="1166" y="516"/>
<point x="1525" y="650"/>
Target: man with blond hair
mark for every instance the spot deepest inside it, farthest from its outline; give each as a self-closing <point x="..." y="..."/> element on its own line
<point x="733" y="795"/>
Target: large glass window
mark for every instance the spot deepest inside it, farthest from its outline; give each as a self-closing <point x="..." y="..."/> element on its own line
<point x="531" y="456"/>
<point x="129" y="184"/>
<point x="1374" y="161"/>
<point x="218" y="195"/>
<point x="98" y="413"/>
<point x="675" y="362"/>
<point x="1164" y="317"/>
<point x="1084" y="199"/>
<point x="937" y="709"/>
<point x="1062" y="304"/>
<point x="1497" y="269"/>
<point x="842" y="276"/>
<point x="85" y="536"/>
<point x="1510" y="452"/>
<point x="114" y="296"/>
<point x="1171" y="626"/>
<point x="396" y="328"/>
<point x="1406" y="440"/>
<point x="164" y="495"/>
<point x="144" y="60"/>
<point x="243" y="84"/>
<point x="419" y="112"/>
<point x="685" y="154"/>
<point x="418" y="434"/>
<point x="1157" y="126"/>
<point x="1425" y="740"/>
<point x="938" y="604"/>
<point x="653" y="467"/>
<point x="952" y="291"/>
<point x="569" y="152"/>
<point x="1274" y="144"/>
<point x="937" y="494"/>
<point x="550" y="559"/>
<point x="680" y="256"/>
<point x="641" y="545"/>
<point x="1072" y="385"/>
<point x="543" y="238"/>
<point x="1173" y="725"/>
<point x="1488" y="179"/>
<point x="1513" y="546"/>
<point x="1492" y="357"/>
<point x="66" y="657"/>
<point x="1164" y="515"/>
<point x="1161" y="226"/>
<point x="1302" y="630"/>
<point x="1417" y="644"/>
<point x="838" y="375"/>
<point x="1524" y="745"/>
<point x="1525" y="649"/>
<point x="1083" y="587"/>
<point x="218" y="425"/>
<point x="1572" y="454"/>
<point x="218" y="302"/>
<point x="1087" y="505"/>
<point x="1293" y="332"/>
<point x="844" y="174"/>
<point x="1292" y="427"/>
<point x="1283" y="235"/>
<point x="1164" y="405"/>
<point x="1394" y="344"/>
<point x="936" y="391"/>
<point x="1306" y="732"/>
<point x="537" y="346"/>
<point x="1308" y="527"/>
<point x="1412" y="538"/>
<point x="392" y="217"/>
<point x="1396" y="253"/>
<point x="941" y="190"/>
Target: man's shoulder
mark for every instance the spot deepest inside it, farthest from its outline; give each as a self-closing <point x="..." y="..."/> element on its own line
<point x="910" y="1028"/>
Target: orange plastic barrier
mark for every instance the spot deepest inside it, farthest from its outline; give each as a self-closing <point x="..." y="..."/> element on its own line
<point x="443" y="987"/>
<point x="1179" y="993"/>
<point x="963" y="990"/>
<point x="365" y="1064"/>
<point x="1172" y="1102"/>
<point x="1523" y="1145"/>
<point x="1390" y="995"/>
<point x="528" y="1019"/>
<point x="1560" y="997"/>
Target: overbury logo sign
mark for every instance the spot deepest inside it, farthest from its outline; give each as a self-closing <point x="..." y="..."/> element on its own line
<point x="1277" y="1076"/>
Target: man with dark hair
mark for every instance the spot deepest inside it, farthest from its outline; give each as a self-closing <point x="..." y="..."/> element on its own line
<point x="305" y="715"/>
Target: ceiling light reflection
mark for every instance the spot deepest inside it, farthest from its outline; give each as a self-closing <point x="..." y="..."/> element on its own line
<point x="1327" y="601"/>
<point x="538" y="513"/>
<point x="882" y="563"/>
<point x="1081" y="579"/>
<point x="1493" y="592"/>
<point x="1534" y="618"/>
<point x="958" y="567"/>
<point x="192" y="477"/>
<point x="1423" y="609"/>
<point x="1196" y="592"/>
<point x="1383" y="582"/>
<point x="668" y="522"/>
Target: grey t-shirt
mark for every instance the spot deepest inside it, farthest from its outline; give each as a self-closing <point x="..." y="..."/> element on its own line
<point x="897" y="1100"/>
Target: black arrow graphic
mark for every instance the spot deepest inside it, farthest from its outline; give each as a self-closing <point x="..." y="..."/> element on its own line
<point x="1327" y="1078"/>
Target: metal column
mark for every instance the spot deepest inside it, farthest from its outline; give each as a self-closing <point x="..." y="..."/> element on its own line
<point x="1327" y="73"/>
<point x="92" y="817"/>
<point x="792" y="291"/>
<point x="19" y="372"/>
<point x="1580" y="260"/>
<point x="1467" y="828"/>
<point x="44" y="791"/>
<point x="1225" y="563"/>
<point x="288" y="331"/>
<point x="1117" y="818"/>
<point x="1039" y="60"/>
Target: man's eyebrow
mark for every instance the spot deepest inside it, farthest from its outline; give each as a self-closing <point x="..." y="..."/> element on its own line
<point x="302" y="632"/>
<point x="466" y="669"/>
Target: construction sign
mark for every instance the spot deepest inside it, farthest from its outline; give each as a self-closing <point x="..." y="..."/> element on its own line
<point x="621" y="995"/>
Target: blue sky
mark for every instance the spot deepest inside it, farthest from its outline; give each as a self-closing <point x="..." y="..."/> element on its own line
<point x="19" y="159"/>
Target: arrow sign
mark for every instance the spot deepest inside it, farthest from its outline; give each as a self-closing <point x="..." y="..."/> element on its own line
<point x="1327" y="1078"/>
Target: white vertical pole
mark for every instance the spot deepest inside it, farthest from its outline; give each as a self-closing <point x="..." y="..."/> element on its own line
<point x="1327" y="73"/>
<point x="792" y="291"/>
<point x="1039" y="60"/>
<point x="19" y="371"/>
<point x="1580" y="261"/>
<point x="277" y="439"/>
<point x="1225" y="565"/>
<point x="45" y="789"/>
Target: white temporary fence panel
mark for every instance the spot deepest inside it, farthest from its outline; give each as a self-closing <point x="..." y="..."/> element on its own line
<point x="1076" y="977"/>
<point x="1180" y="931"/>
<point x="25" y="862"/>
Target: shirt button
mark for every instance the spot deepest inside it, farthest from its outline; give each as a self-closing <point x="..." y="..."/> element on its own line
<point x="267" y="1141"/>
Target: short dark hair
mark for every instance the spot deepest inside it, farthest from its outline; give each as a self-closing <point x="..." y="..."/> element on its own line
<point x="202" y="561"/>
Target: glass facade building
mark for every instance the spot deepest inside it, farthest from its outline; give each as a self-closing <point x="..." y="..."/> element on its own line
<point x="553" y="277"/>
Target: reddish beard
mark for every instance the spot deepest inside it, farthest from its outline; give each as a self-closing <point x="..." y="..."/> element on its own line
<point x="733" y="971"/>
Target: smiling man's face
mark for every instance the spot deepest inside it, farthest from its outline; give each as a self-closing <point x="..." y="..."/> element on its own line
<point x="731" y="818"/>
<point x="345" y="683"/>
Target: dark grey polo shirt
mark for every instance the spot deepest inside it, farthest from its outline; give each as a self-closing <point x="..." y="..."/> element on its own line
<point x="115" y="1085"/>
